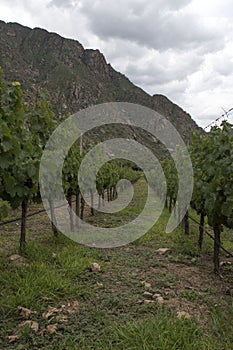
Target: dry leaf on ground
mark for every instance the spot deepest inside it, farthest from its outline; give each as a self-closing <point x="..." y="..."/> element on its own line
<point x="72" y="307"/>
<point x="160" y="300"/>
<point x="148" y="301"/>
<point x="33" y="325"/>
<point x="62" y="319"/>
<point x="12" y="338"/>
<point x="95" y="267"/>
<point x="24" y="312"/>
<point x="148" y="295"/>
<point x="15" y="257"/>
<point x="145" y="284"/>
<point x="163" y="251"/>
<point x="183" y="314"/>
<point x="50" y="312"/>
<point x="51" y="329"/>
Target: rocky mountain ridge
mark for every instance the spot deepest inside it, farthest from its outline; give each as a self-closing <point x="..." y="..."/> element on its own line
<point x="74" y="77"/>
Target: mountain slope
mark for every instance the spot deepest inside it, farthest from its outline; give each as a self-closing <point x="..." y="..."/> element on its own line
<point x="74" y="77"/>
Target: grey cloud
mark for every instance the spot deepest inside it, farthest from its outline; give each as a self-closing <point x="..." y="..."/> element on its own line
<point x="223" y="64"/>
<point x="61" y="3"/>
<point x="161" y="69"/>
<point x="66" y="4"/>
<point x="173" y="89"/>
<point x="161" y="24"/>
<point x="226" y="69"/>
<point x="136" y="6"/>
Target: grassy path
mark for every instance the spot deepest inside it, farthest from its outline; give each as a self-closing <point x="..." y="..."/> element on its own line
<point x="134" y="302"/>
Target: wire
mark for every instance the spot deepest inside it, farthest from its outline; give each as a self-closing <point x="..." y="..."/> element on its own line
<point x="30" y="215"/>
<point x="43" y="211"/>
<point x="3" y="223"/>
<point x="226" y="114"/>
<point x="19" y="219"/>
<point x="208" y="234"/>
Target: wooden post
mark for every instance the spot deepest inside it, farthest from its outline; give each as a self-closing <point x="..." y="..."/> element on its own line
<point x="99" y="203"/>
<point x="174" y="203"/>
<point x="77" y="207"/>
<point x="217" y="232"/>
<point x="170" y="205"/>
<point x="69" y="200"/>
<point x="92" y="203"/>
<point x="53" y="218"/>
<point x="22" y="241"/>
<point x="201" y="230"/>
<point x="82" y="207"/>
<point x="81" y="145"/>
<point x="186" y="223"/>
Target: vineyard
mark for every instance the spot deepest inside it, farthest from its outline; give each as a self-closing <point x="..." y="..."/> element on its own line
<point x="72" y="301"/>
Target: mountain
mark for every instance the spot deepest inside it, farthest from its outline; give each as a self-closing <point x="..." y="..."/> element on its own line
<point x="74" y="77"/>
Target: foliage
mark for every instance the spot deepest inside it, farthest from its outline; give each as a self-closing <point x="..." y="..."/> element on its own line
<point x="212" y="159"/>
<point x="212" y="156"/>
<point x="4" y="206"/>
<point x="24" y="130"/>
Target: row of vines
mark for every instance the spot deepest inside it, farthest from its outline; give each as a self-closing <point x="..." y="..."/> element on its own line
<point x="26" y="128"/>
<point x="24" y="131"/>
<point x="212" y="199"/>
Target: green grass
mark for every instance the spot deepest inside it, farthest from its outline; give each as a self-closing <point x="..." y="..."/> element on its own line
<point x="56" y="270"/>
<point x="162" y="331"/>
<point x="49" y="272"/>
<point x="191" y="295"/>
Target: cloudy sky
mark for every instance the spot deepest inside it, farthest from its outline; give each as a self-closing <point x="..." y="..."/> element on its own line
<point x="180" y="48"/>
